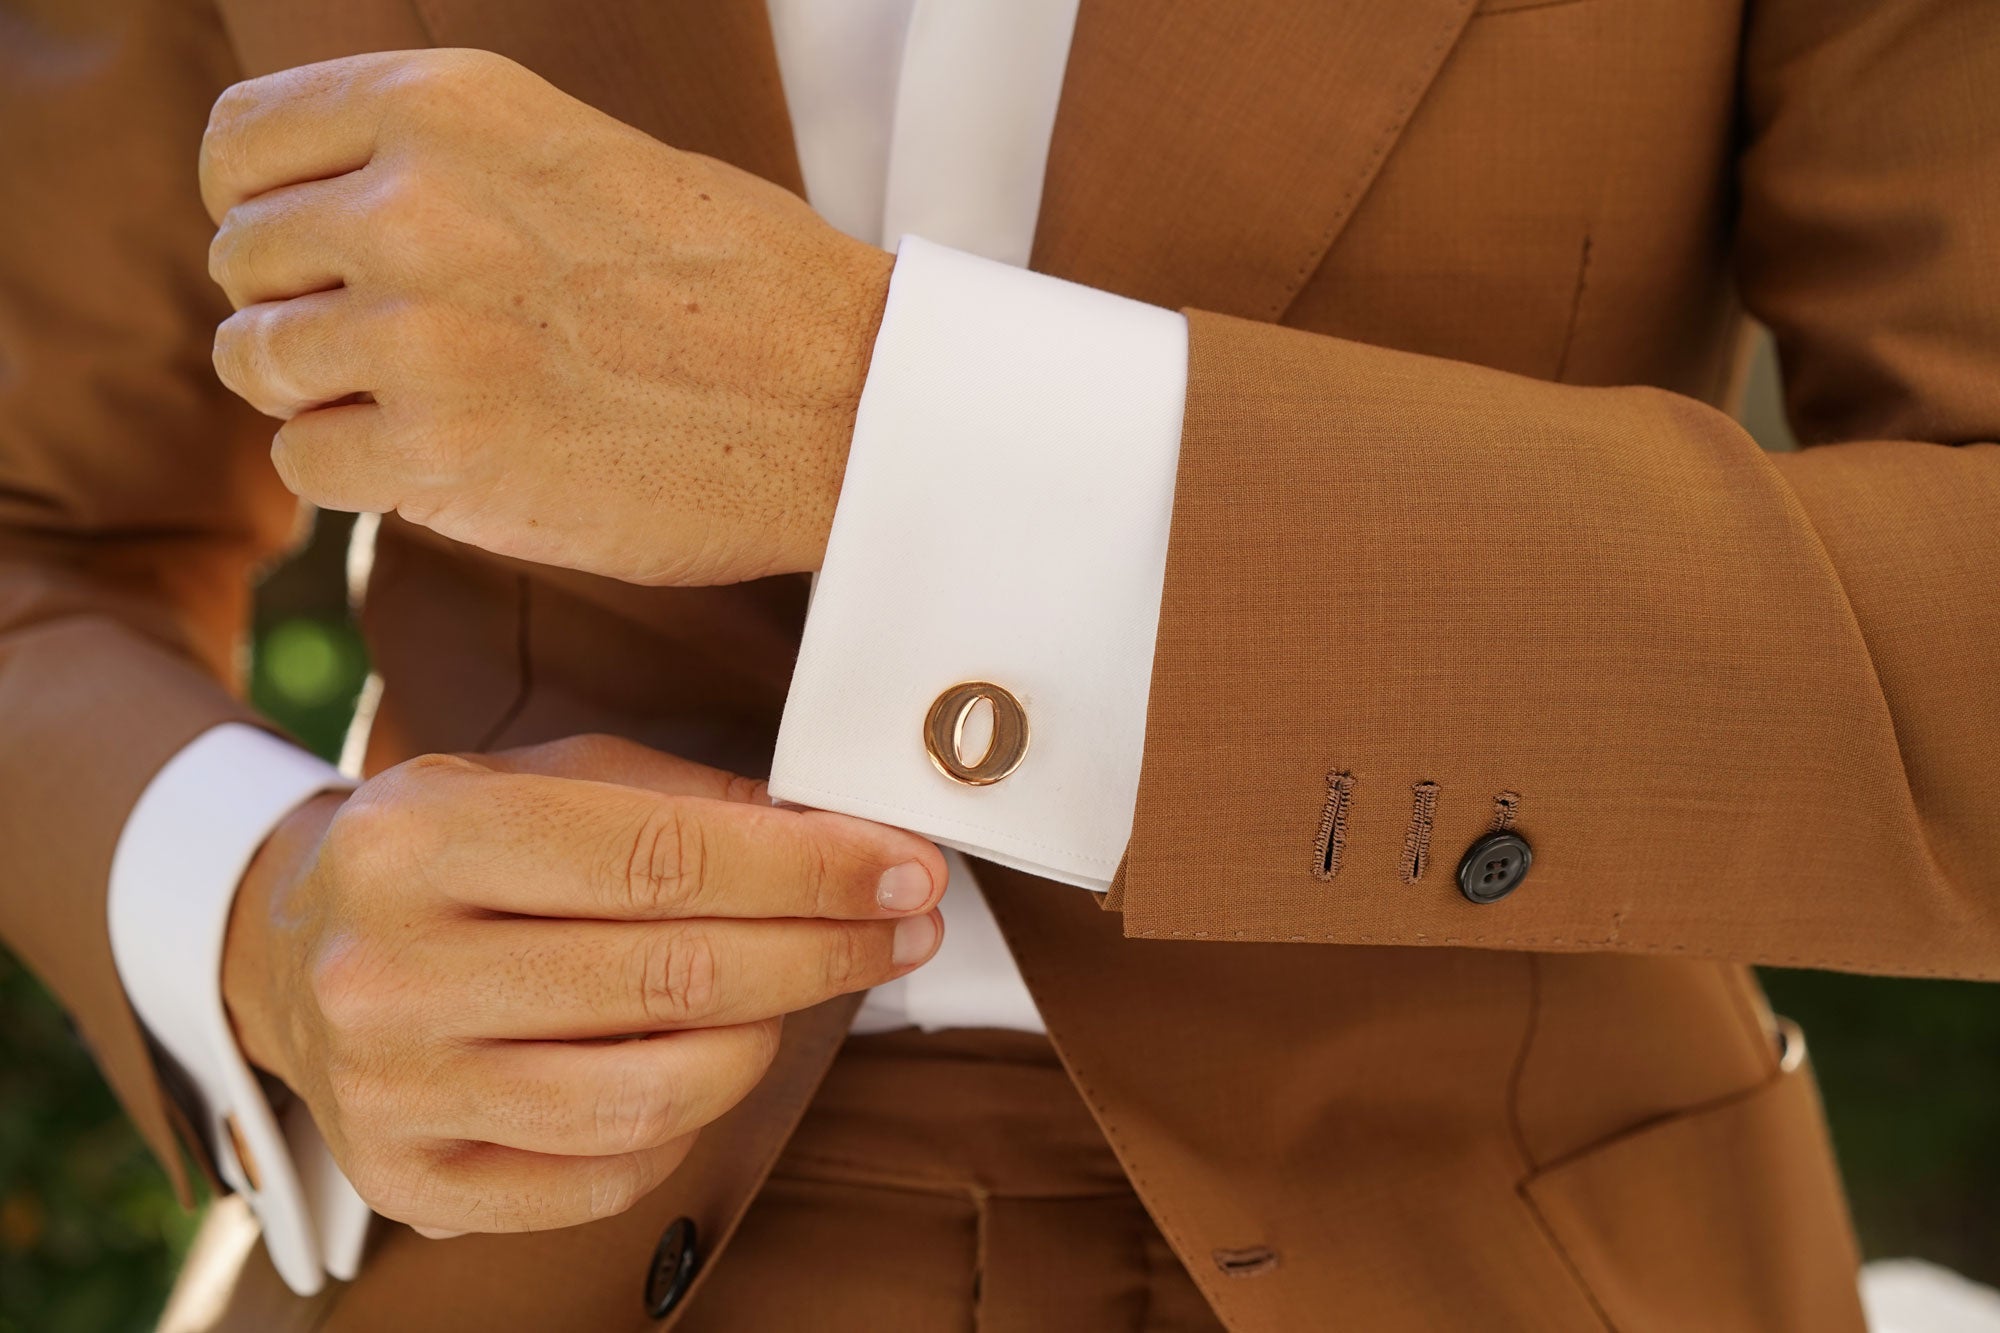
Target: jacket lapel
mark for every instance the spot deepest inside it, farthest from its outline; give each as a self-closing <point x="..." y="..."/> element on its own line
<point x="703" y="77"/>
<point x="1208" y="152"/>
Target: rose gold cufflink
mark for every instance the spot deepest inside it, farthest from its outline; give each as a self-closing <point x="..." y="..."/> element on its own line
<point x="944" y="733"/>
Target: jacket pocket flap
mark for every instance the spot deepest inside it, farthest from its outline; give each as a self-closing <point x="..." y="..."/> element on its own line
<point x="1725" y="1217"/>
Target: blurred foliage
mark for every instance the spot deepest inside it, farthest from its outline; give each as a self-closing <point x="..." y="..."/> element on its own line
<point x="89" y="1235"/>
<point x="307" y="672"/>
<point x="1910" y="1073"/>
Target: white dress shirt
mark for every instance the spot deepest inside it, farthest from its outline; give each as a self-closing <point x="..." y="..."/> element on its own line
<point x="1004" y="517"/>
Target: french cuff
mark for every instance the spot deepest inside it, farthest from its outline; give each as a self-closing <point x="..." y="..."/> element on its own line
<point x="174" y="874"/>
<point x="979" y="648"/>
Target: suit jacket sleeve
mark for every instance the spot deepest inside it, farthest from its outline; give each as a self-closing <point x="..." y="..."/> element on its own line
<point x="1742" y="705"/>
<point x="135" y="495"/>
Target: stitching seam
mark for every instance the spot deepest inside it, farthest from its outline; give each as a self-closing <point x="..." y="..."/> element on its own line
<point x="1150" y="1197"/>
<point x="1575" y="309"/>
<point x="1405" y="106"/>
<point x="1887" y="966"/>
<point x="1563" y="1255"/>
<point x="1520" y="1069"/>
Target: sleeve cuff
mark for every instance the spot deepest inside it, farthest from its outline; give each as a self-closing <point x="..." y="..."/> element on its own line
<point x="174" y="874"/>
<point x="1004" y="518"/>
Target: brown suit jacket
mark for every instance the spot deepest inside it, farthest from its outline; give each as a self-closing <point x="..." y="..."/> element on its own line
<point x="1744" y="706"/>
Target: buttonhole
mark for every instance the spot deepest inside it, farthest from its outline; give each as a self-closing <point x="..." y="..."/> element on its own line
<point x="1247" y="1262"/>
<point x="1417" y="842"/>
<point x="1332" y="837"/>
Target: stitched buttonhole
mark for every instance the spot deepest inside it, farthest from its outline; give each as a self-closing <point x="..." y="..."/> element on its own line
<point x="1332" y="839"/>
<point x="1505" y="806"/>
<point x="1248" y="1262"/>
<point x="1417" y="842"/>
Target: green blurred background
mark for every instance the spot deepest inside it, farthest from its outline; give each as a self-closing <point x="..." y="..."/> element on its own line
<point x="89" y="1236"/>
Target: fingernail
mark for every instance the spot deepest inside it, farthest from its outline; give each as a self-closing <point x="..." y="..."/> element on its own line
<point x="903" y="888"/>
<point x="916" y="936"/>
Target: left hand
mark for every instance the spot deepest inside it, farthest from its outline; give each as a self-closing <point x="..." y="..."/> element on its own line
<point x="484" y="305"/>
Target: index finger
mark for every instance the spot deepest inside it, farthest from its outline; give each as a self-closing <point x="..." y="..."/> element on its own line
<point x="302" y="124"/>
<point x="564" y="847"/>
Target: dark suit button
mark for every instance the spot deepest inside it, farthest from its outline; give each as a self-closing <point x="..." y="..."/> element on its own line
<point x="1494" y="867"/>
<point x="675" y="1260"/>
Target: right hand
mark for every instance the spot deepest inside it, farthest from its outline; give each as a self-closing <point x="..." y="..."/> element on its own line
<point x="512" y="988"/>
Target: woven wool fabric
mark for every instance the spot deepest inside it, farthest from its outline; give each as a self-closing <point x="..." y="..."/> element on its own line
<point x="1460" y="516"/>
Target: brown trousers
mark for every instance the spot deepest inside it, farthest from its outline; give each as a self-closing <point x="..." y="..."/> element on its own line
<point x="951" y="1181"/>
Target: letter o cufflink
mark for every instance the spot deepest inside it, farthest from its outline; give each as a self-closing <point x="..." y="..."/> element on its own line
<point x="944" y="733"/>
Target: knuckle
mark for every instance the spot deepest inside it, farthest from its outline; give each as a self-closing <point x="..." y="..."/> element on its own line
<point x="664" y="866"/>
<point x="401" y="1186"/>
<point x="454" y="68"/>
<point x="746" y="791"/>
<point x="220" y="161"/>
<point x="225" y="251"/>
<point x="226" y="117"/>
<point x="766" y="1038"/>
<point x="615" y="1185"/>
<point x="242" y="235"/>
<point x="252" y="349"/>
<point x="437" y="768"/>
<point x="361" y="838"/>
<point x="358" y="821"/>
<point x="366" y="1096"/>
<point x="419" y="802"/>
<point x="630" y="1115"/>
<point x="398" y="198"/>
<point x="354" y="992"/>
<point x="420" y="234"/>
<point x="678" y="977"/>
<point x="289" y="460"/>
<point x="849" y="959"/>
<point x="818" y="870"/>
<point x="232" y="353"/>
<point x="432" y="84"/>
<point x="280" y="337"/>
<point x="230" y="105"/>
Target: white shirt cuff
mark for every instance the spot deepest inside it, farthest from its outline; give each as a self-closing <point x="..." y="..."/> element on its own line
<point x="174" y="874"/>
<point x="1004" y="518"/>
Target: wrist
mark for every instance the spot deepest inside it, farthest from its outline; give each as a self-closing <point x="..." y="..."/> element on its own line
<point x="252" y="970"/>
<point x="868" y="284"/>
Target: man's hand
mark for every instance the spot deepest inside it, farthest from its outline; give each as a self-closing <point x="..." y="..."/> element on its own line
<point x="502" y="314"/>
<point x="512" y="988"/>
